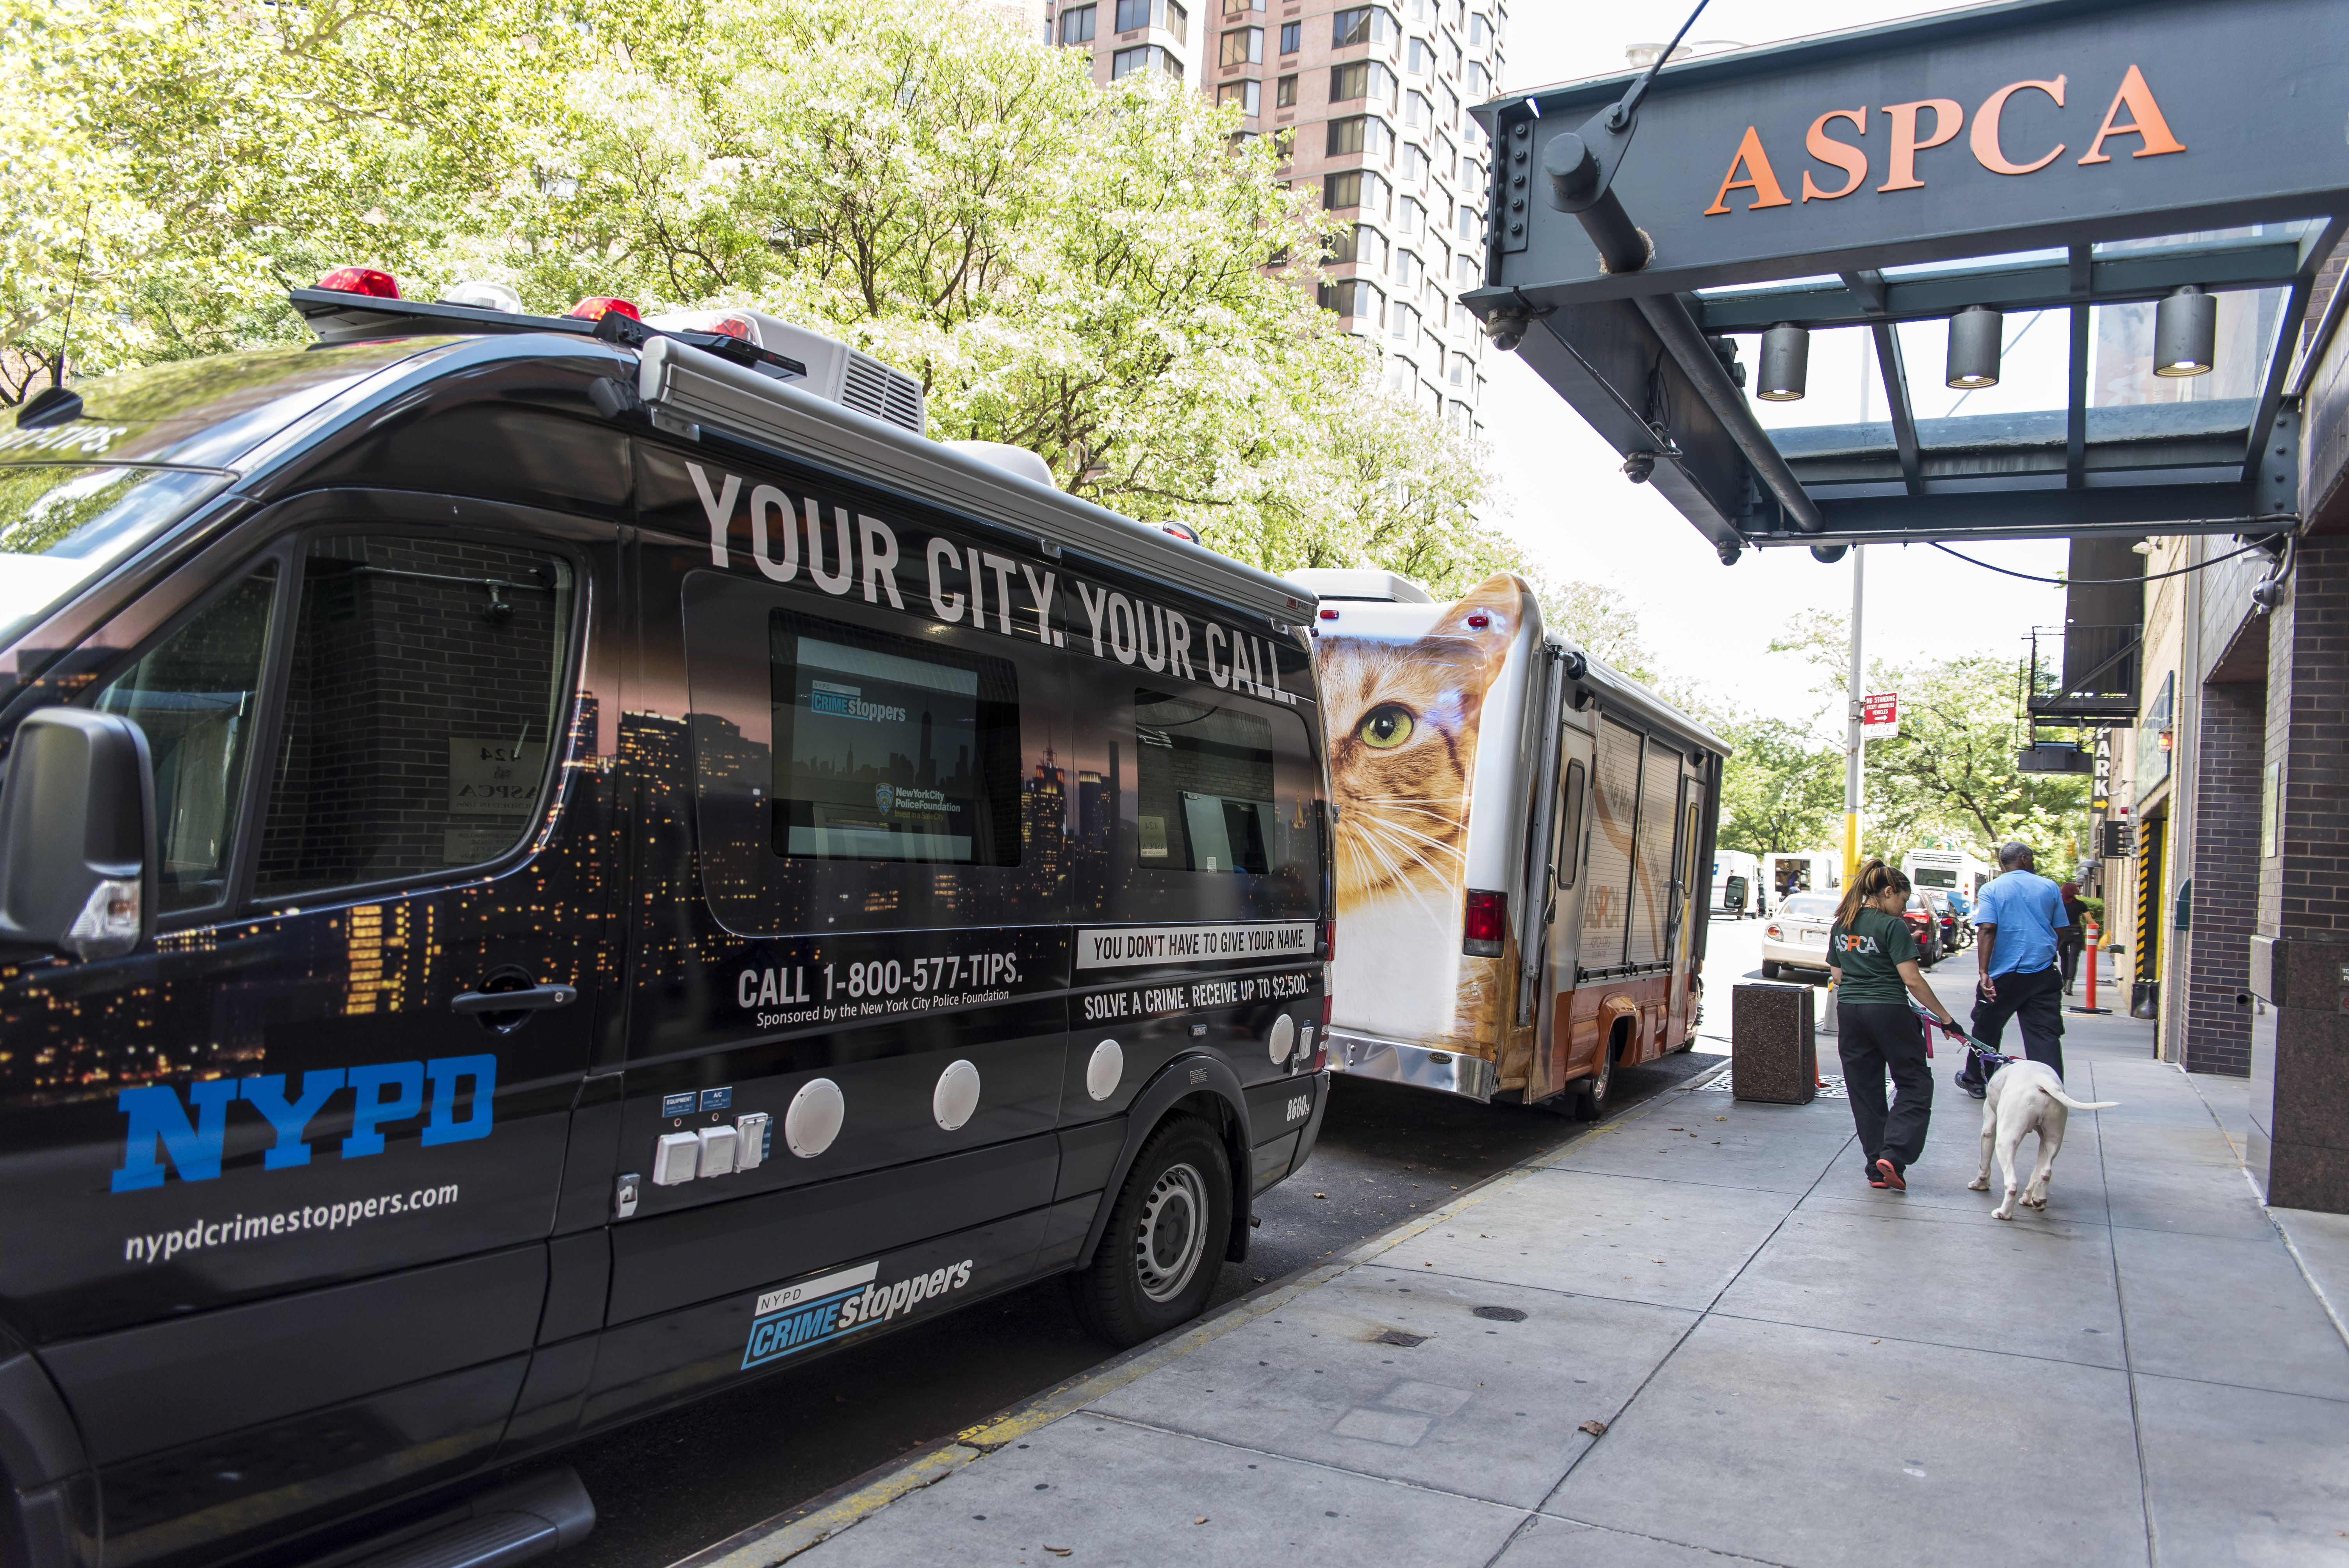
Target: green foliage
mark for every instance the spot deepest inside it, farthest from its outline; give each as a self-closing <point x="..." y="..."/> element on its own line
<point x="1951" y="772"/>
<point x="1104" y="276"/>
<point x="1781" y="791"/>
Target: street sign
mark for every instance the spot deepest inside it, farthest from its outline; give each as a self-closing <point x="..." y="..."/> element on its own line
<point x="1880" y="716"/>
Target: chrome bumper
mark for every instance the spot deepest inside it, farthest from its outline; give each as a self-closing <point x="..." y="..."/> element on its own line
<point x="1367" y="1056"/>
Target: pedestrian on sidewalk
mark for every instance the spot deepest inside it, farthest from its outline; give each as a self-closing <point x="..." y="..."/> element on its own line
<point x="2015" y="935"/>
<point x="2073" y="935"/>
<point x="1876" y="964"/>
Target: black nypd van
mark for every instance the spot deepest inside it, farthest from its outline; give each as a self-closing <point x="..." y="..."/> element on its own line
<point x="549" y="866"/>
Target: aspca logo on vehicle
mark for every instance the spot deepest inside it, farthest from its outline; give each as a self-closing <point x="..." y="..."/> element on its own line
<point x="792" y="1317"/>
<point x="387" y="1092"/>
<point x="881" y="796"/>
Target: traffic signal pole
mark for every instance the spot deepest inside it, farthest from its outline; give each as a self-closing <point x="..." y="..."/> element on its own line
<point x="1852" y="741"/>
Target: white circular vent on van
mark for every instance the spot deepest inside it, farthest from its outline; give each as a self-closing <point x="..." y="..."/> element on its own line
<point x="1283" y="1037"/>
<point x="1105" y="1071"/>
<point x="957" y="1095"/>
<point x="814" y="1118"/>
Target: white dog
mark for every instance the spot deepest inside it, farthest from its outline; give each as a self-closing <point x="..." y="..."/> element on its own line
<point x="2025" y="1097"/>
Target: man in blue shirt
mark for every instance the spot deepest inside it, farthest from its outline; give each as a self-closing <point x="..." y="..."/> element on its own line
<point x="2015" y="923"/>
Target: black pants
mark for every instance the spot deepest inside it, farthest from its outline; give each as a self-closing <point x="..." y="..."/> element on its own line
<point x="2034" y="1001"/>
<point x="2067" y="957"/>
<point x="1876" y="1038"/>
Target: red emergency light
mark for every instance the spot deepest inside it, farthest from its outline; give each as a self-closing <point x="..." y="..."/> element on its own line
<point x="596" y="307"/>
<point x="361" y="281"/>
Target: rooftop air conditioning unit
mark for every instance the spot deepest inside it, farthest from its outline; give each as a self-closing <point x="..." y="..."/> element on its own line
<point x="835" y="372"/>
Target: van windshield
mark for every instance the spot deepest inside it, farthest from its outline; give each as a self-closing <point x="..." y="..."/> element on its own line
<point x="61" y="525"/>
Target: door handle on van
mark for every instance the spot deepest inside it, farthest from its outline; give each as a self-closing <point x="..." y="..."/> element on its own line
<point x="528" y="1000"/>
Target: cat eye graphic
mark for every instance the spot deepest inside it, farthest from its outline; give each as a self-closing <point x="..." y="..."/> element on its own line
<point x="1387" y="726"/>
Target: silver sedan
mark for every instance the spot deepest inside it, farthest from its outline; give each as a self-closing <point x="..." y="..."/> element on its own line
<point x="1796" y="934"/>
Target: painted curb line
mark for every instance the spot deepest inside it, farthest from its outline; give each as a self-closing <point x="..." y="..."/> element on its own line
<point x="767" y="1545"/>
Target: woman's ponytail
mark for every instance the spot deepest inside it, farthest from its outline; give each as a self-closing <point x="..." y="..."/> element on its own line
<point x="1875" y="880"/>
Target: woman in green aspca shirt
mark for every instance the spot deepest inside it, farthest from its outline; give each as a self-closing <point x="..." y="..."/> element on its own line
<point x="1875" y="961"/>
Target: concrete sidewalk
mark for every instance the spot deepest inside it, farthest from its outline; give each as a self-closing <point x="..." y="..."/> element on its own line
<point x="1696" y="1335"/>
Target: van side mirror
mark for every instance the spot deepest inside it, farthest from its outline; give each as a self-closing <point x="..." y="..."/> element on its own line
<point x="78" y="835"/>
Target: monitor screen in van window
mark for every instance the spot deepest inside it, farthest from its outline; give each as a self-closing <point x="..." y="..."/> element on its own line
<point x="887" y="750"/>
<point x="1204" y="779"/>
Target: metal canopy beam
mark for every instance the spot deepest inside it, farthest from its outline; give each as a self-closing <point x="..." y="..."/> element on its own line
<point x="1954" y="145"/>
<point x="2026" y="286"/>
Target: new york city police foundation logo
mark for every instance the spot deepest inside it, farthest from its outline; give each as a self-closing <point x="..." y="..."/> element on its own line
<point x="881" y="796"/>
<point x="792" y="1317"/>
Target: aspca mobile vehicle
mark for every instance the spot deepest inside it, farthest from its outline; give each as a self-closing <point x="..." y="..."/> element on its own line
<point x="551" y="867"/>
<point x="1522" y="837"/>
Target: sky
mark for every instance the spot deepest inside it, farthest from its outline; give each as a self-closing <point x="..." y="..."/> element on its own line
<point x="1565" y="497"/>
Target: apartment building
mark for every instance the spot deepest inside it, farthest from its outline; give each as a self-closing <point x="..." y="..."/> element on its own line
<point x="1369" y="101"/>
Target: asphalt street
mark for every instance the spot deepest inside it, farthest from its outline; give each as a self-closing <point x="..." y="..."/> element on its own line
<point x="667" y="1486"/>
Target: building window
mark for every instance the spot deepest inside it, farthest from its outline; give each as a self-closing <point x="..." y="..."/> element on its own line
<point x="1401" y="374"/>
<point x="1357" y="188"/>
<point x="1354" y="297"/>
<point x="1178" y="22"/>
<point x="1362" y="79"/>
<point x="1244" y="94"/>
<point x="1241" y="7"/>
<point x="1480" y="32"/>
<point x="1414" y="217"/>
<point x="1284" y="93"/>
<point x="1242" y="47"/>
<point x="1464" y="221"/>
<point x="1291" y="37"/>
<point x="1460" y="370"/>
<point x="1414" y="164"/>
<point x="1416" y="109"/>
<point x="1362" y="133"/>
<point x="1148" y="58"/>
<point x="1360" y="25"/>
<point x="1419" y="59"/>
<point x="1480" y="80"/>
<point x="1451" y="56"/>
<point x="1466" y="273"/>
<point x="1402" y="324"/>
<point x="1077" y="25"/>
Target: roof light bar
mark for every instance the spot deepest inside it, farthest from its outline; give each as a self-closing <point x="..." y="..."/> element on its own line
<point x="361" y="281"/>
<point x="596" y="307"/>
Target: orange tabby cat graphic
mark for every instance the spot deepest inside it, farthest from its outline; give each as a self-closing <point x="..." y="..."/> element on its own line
<point x="1402" y="718"/>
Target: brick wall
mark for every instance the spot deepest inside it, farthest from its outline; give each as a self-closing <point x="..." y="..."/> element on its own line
<point x="2231" y="749"/>
<point x="2302" y="890"/>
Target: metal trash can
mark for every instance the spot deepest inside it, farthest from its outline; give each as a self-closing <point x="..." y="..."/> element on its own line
<point x="1774" y="1052"/>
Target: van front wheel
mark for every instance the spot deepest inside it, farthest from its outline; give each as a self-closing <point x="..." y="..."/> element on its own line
<point x="1158" y="1258"/>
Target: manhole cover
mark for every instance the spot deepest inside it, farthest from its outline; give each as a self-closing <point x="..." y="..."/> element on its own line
<point x="1397" y="1337"/>
<point x="1500" y="1314"/>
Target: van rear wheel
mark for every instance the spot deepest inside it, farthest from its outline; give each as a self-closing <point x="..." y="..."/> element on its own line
<point x="1594" y="1094"/>
<point x="1158" y="1258"/>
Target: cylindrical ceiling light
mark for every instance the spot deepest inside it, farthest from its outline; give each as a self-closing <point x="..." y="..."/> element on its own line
<point x="1786" y="364"/>
<point x="1974" y="333"/>
<point x="2184" y="333"/>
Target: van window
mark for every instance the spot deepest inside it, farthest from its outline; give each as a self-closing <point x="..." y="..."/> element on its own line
<point x="1202" y="777"/>
<point x="425" y="687"/>
<point x="196" y="698"/>
<point x="887" y="749"/>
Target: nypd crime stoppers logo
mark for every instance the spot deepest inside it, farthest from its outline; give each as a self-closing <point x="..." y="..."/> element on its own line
<point x="792" y="1317"/>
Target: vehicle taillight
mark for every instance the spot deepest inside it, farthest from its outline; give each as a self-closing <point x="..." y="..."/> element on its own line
<point x="1774" y="933"/>
<point x="596" y="307"/>
<point x="1328" y="614"/>
<point x="1487" y="924"/>
<point x="361" y="281"/>
<point x="730" y="327"/>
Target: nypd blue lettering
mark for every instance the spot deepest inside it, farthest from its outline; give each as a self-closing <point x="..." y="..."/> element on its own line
<point x="189" y="1135"/>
